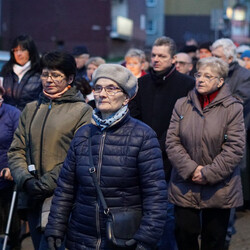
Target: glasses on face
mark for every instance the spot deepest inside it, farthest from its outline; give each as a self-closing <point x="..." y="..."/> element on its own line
<point x="181" y="63"/>
<point x="15" y="50"/>
<point x="110" y="90"/>
<point x="54" y="76"/>
<point x="207" y="77"/>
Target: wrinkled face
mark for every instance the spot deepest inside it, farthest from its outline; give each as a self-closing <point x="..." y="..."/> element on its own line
<point x="134" y="65"/>
<point x="182" y="64"/>
<point x="110" y="103"/>
<point x="207" y="81"/>
<point x="54" y="81"/>
<point x="204" y="53"/>
<point x="219" y="53"/>
<point x="21" y="55"/>
<point x="90" y="70"/>
<point x="81" y="60"/>
<point x="161" y="58"/>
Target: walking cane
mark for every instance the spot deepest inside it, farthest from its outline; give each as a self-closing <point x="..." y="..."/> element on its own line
<point x="10" y="216"/>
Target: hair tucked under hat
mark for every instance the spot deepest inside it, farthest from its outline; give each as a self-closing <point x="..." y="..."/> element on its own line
<point x="121" y="75"/>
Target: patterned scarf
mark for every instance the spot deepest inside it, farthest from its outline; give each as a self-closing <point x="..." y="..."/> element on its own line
<point x="104" y="123"/>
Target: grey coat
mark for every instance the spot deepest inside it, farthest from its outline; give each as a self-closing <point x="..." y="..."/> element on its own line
<point x="214" y="138"/>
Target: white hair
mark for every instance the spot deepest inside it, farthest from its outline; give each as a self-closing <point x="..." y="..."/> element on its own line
<point x="228" y="46"/>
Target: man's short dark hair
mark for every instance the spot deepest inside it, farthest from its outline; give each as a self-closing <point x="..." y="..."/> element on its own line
<point x="166" y="41"/>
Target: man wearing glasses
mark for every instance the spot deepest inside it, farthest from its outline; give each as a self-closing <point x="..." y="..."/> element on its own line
<point x="183" y="63"/>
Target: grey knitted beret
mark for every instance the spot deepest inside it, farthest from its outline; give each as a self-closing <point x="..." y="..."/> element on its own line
<point x="121" y="75"/>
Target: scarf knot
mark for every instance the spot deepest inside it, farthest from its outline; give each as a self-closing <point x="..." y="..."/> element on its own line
<point x="105" y="123"/>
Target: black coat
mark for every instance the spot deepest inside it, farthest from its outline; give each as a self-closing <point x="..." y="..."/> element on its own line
<point x="130" y="172"/>
<point x="155" y="101"/>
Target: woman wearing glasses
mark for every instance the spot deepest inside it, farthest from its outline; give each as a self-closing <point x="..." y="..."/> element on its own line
<point x="205" y="142"/>
<point x="21" y="74"/>
<point x="42" y="139"/>
<point x="129" y="168"/>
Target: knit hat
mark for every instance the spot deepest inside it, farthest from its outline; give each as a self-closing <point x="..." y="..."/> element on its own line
<point x="121" y="75"/>
<point x="206" y="45"/>
<point x="79" y="50"/>
<point x="245" y="54"/>
<point x="242" y="48"/>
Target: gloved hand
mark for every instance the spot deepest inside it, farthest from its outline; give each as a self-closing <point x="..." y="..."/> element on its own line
<point x="53" y="243"/>
<point x="130" y="243"/>
<point x="35" y="189"/>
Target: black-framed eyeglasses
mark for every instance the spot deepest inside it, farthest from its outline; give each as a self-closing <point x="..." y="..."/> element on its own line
<point x="207" y="77"/>
<point x="110" y="90"/>
<point x="54" y="76"/>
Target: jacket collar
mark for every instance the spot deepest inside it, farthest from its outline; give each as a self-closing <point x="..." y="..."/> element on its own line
<point x="164" y="75"/>
<point x="224" y="97"/>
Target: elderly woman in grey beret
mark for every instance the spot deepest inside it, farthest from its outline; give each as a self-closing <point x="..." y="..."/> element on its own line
<point x="128" y="166"/>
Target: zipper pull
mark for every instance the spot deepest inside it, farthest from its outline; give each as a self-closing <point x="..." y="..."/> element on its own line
<point x="50" y="104"/>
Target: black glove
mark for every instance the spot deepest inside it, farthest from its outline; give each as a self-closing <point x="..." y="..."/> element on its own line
<point x="35" y="189"/>
<point x="53" y="243"/>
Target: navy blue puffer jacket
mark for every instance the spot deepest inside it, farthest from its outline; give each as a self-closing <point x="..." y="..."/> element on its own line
<point x="130" y="171"/>
<point x="9" y="117"/>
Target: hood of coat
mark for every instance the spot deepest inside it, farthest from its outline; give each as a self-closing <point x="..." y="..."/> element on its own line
<point x="224" y="97"/>
<point x="72" y="95"/>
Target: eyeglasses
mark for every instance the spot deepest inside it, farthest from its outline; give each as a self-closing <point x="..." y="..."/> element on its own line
<point x="17" y="50"/>
<point x="52" y="75"/>
<point x="207" y="77"/>
<point x="110" y="90"/>
<point x="181" y="63"/>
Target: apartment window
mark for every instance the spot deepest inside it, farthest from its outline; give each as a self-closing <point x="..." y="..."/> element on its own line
<point x="151" y="3"/>
<point x="151" y="27"/>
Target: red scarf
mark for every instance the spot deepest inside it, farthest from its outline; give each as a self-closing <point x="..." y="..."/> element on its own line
<point x="206" y="99"/>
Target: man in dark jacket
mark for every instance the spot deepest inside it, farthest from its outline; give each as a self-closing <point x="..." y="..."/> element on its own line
<point x="154" y="103"/>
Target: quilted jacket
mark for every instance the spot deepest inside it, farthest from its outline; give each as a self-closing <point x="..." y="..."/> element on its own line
<point x="130" y="172"/>
<point x="214" y="138"/>
<point x="9" y="117"/>
<point x="19" y="94"/>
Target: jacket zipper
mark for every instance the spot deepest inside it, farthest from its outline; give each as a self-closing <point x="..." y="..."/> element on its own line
<point x="41" y="142"/>
<point x="99" y="165"/>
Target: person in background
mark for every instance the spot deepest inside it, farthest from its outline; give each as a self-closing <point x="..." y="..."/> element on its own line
<point x="92" y="64"/>
<point x="21" y="74"/>
<point x="43" y="136"/>
<point x="205" y="143"/>
<point x="154" y="103"/>
<point x="134" y="61"/>
<point x="238" y="80"/>
<point x="128" y="162"/>
<point x="81" y="55"/>
<point x="245" y="56"/>
<point x="241" y="49"/>
<point x="9" y="117"/>
<point x="191" y="50"/>
<point x="183" y="63"/>
<point x="205" y="50"/>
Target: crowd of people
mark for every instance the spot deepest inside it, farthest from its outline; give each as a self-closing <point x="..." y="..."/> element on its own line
<point x="167" y="137"/>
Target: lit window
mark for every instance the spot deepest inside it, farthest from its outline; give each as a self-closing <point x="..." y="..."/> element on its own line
<point x="151" y="3"/>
